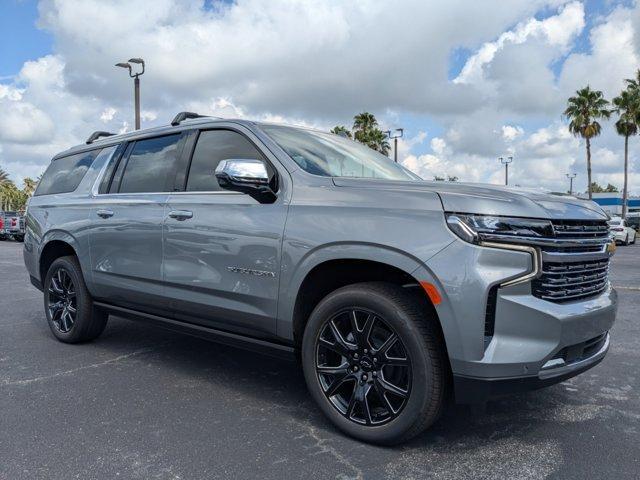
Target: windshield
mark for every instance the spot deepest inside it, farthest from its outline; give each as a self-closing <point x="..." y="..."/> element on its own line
<point x="615" y="222"/>
<point x="330" y="155"/>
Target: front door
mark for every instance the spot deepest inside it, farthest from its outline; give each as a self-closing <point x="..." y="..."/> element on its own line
<point x="221" y="248"/>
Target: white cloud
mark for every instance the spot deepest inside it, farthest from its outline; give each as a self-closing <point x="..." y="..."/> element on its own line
<point x="108" y="114"/>
<point x="510" y="132"/>
<point x="318" y="63"/>
<point x="555" y="31"/>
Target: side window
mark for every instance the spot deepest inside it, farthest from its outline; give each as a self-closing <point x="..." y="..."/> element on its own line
<point x="151" y="165"/>
<point x="65" y="174"/>
<point x="212" y="147"/>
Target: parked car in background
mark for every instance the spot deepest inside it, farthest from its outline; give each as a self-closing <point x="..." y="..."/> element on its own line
<point x="621" y="231"/>
<point x="396" y="294"/>
<point x="11" y="226"/>
<point x="633" y="220"/>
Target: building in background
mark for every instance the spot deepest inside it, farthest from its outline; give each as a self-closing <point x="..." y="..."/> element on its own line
<point x="612" y="203"/>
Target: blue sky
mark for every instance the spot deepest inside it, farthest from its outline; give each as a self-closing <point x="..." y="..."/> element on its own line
<point x="468" y="81"/>
<point x="20" y="39"/>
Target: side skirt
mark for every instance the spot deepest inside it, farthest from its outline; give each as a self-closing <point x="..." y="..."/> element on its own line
<point x="265" y="347"/>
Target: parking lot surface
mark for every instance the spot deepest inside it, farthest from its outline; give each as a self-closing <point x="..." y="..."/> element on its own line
<point x="145" y="403"/>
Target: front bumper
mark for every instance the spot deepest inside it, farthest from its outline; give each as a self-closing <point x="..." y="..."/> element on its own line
<point x="619" y="236"/>
<point x="528" y="333"/>
<point x="473" y="390"/>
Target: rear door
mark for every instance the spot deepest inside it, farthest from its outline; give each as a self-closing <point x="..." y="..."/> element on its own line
<point x="126" y="224"/>
<point x="222" y="248"/>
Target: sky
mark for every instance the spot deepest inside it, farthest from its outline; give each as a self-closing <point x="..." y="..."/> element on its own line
<point x="468" y="81"/>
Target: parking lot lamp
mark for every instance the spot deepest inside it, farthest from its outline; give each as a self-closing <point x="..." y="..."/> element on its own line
<point x="571" y="176"/>
<point x="398" y="133"/>
<point x="136" y="85"/>
<point x="506" y="161"/>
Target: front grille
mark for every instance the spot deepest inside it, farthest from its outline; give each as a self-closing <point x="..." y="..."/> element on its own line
<point x="571" y="281"/>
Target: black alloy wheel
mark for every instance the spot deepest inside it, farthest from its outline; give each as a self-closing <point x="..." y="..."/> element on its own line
<point x="62" y="300"/>
<point x="363" y="367"/>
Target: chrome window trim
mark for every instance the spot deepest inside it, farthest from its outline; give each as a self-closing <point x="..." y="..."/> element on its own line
<point x="95" y="188"/>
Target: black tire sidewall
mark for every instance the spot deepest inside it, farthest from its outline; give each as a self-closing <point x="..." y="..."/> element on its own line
<point x="422" y="368"/>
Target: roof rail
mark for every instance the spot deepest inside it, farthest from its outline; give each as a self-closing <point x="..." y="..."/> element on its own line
<point x="182" y="116"/>
<point x="96" y="135"/>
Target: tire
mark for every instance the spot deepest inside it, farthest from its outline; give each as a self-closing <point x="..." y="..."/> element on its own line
<point x="417" y="367"/>
<point x="64" y="291"/>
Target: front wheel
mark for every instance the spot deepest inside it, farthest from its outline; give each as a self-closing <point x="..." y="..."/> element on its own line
<point x="374" y="361"/>
<point x="68" y="305"/>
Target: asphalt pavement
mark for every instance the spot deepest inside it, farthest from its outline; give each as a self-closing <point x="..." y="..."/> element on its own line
<point x="145" y="403"/>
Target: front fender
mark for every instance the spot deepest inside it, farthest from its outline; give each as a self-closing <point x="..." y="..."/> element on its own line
<point x="293" y="275"/>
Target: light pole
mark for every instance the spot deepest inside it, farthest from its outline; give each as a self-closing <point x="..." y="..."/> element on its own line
<point x="398" y="133"/>
<point x="136" y="85"/>
<point x="571" y="176"/>
<point x="506" y="162"/>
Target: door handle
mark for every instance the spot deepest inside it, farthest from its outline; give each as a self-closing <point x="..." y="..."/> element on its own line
<point x="104" y="213"/>
<point x="181" y="214"/>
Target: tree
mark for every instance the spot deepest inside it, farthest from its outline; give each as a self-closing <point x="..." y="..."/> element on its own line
<point x="597" y="188"/>
<point x="583" y="112"/>
<point x="378" y="140"/>
<point x="634" y="83"/>
<point x="627" y="106"/>
<point x="367" y="131"/>
<point x="4" y="176"/>
<point x="342" y="131"/>
<point x="29" y="186"/>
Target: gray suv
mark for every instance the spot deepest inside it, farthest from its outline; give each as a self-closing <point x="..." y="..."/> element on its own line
<point x="395" y="294"/>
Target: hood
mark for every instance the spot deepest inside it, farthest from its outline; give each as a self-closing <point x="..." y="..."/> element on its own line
<point x="490" y="199"/>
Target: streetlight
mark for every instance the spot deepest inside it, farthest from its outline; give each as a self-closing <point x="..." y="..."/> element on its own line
<point x="506" y="162"/>
<point x="571" y="176"/>
<point x="398" y="133"/>
<point x="136" y="84"/>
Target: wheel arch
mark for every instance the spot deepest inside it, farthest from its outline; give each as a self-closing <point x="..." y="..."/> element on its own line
<point x="329" y="268"/>
<point x="56" y="244"/>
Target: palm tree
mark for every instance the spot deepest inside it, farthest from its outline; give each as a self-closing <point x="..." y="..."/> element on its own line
<point x="4" y="176"/>
<point x="29" y="186"/>
<point x="627" y="106"/>
<point x="342" y="131"/>
<point x="378" y="140"/>
<point x="634" y="83"/>
<point x="583" y="112"/>
<point x="367" y="131"/>
<point x="363" y="124"/>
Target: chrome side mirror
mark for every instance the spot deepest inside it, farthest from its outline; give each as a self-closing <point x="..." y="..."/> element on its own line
<point x="245" y="175"/>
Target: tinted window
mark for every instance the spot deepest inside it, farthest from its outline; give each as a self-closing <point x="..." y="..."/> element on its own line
<point x="334" y="156"/>
<point x="212" y="147"/>
<point x="65" y="174"/>
<point x="151" y="165"/>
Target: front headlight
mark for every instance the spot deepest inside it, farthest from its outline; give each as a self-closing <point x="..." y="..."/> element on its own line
<point x="474" y="228"/>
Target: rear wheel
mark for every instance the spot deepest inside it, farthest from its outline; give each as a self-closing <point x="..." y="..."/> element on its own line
<point x="374" y="361"/>
<point x="70" y="312"/>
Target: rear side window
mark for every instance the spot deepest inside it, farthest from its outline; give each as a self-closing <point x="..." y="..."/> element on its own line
<point x="65" y="174"/>
<point x="212" y="147"/>
<point x="151" y="165"/>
